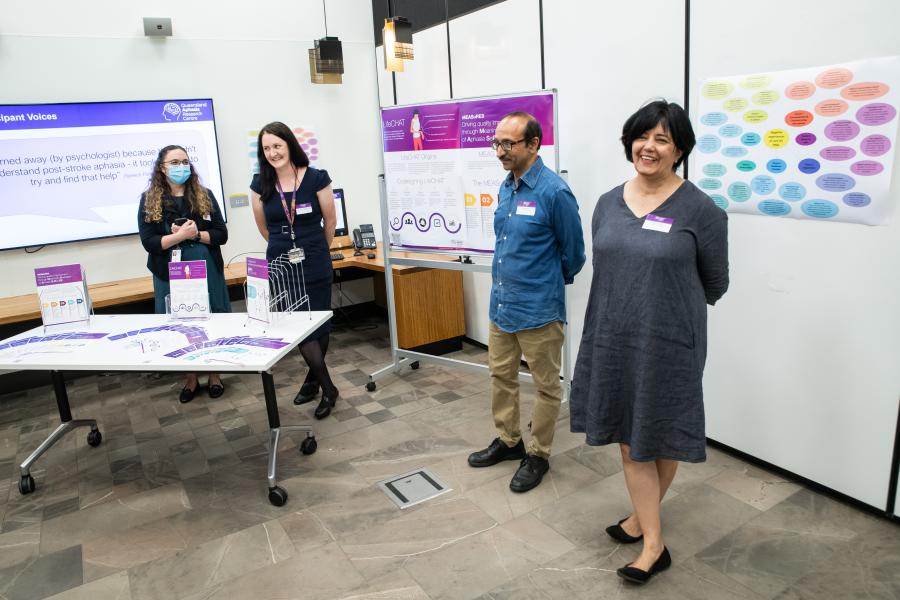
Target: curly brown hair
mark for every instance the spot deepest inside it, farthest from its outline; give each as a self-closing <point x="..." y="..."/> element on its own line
<point x="158" y="188"/>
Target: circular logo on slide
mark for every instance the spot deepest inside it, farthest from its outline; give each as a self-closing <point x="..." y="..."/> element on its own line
<point x="171" y="111"/>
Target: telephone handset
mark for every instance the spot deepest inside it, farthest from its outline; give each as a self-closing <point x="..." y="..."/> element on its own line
<point x="363" y="237"/>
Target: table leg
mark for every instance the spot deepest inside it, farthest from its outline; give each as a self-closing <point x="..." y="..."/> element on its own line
<point x="67" y="424"/>
<point x="278" y="495"/>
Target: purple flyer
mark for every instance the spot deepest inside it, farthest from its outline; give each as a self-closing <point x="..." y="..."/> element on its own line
<point x="191" y="269"/>
<point x="61" y="274"/>
<point x="257" y="267"/>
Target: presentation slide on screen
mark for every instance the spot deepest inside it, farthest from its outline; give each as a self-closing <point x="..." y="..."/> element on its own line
<point x="76" y="171"/>
<point x="442" y="175"/>
<point x="814" y="143"/>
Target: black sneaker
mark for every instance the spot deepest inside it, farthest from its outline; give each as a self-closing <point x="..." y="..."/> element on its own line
<point x="530" y="473"/>
<point x="496" y="452"/>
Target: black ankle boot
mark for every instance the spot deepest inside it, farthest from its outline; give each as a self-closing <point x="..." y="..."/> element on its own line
<point x="326" y="404"/>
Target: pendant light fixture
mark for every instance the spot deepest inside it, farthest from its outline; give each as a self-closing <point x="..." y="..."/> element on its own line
<point x="326" y="59"/>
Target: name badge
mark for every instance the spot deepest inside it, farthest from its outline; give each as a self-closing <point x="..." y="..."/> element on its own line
<point x="526" y="207"/>
<point x="655" y="223"/>
<point x="176" y="254"/>
<point x="207" y="217"/>
<point x="304" y="209"/>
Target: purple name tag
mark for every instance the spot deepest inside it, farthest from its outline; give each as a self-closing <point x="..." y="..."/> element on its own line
<point x="526" y="207"/>
<point x="655" y="223"/>
<point x="304" y="209"/>
<point x="257" y="267"/>
<point x="192" y="269"/>
<point x="54" y="275"/>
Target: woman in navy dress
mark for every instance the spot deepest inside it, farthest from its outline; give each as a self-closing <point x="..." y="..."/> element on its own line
<point x="293" y="205"/>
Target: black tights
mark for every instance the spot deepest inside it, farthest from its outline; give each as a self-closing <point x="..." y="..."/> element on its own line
<point x="313" y="352"/>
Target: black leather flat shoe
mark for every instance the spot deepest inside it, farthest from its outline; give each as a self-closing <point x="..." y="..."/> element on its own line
<point x="639" y="576"/>
<point x="497" y="452"/>
<point x="325" y="405"/>
<point x="186" y="395"/>
<point x="620" y="535"/>
<point x="216" y="389"/>
<point x="528" y="476"/>
<point x="307" y="393"/>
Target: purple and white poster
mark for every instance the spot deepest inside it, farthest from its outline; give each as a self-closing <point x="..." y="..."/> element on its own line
<point x="442" y="175"/>
<point x="62" y="293"/>
<point x="188" y="292"/>
<point x="813" y="143"/>
<point x="258" y="289"/>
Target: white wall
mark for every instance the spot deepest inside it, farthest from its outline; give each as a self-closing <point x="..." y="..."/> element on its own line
<point x="251" y="59"/>
<point x="804" y="354"/>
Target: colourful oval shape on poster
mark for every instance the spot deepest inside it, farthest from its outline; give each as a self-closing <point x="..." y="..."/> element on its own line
<point x="735" y="104"/>
<point x="746" y="166"/>
<point x="835" y="182"/>
<point x="709" y="184"/>
<point x="841" y="131"/>
<point x="776" y="165"/>
<point x="801" y="90"/>
<point x="755" y="116"/>
<point x="714" y="170"/>
<point x="713" y="119"/>
<point x="708" y="143"/>
<point x="868" y="90"/>
<point x="831" y="108"/>
<point x="754" y="82"/>
<point x="875" y="145"/>
<point x="734" y="151"/>
<point x="806" y="138"/>
<point x="776" y="138"/>
<point x="775" y="208"/>
<point x="798" y="118"/>
<point x="719" y="200"/>
<point x="716" y="89"/>
<point x="867" y="168"/>
<point x="809" y="166"/>
<point x="834" y="78"/>
<point x="730" y="130"/>
<point x="819" y="209"/>
<point x="762" y="184"/>
<point x="750" y="138"/>
<point x="877" y="113"/>
<point x="837" y="153"/>
<point x="856" y="199"/>
<point x="739" y="191"/>
<point x="792" y="191"/>
<point x="765" y="97"/>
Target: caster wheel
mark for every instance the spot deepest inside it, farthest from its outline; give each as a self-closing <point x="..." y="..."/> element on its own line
<point x="94" y="438"/>
<point x="309" y="445"/>
<point x="414" y="366"/>
<point x="277" y="496"/>
<point x="26" y="484"/>
<point x="370" y="387"/>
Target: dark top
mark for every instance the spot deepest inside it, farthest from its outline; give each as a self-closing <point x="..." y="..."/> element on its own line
<point x="307" y="224"/>
<point x="638" y="376"/>
<point x="175" y="208"/>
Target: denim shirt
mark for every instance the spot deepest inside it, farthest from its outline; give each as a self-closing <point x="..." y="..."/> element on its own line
<point x="539" y="248"/>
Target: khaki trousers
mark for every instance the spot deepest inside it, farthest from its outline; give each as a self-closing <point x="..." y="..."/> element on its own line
<point x="542" y="348"/>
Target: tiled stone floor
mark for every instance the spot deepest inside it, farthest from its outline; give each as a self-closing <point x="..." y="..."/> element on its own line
<point x="173" y="504"/>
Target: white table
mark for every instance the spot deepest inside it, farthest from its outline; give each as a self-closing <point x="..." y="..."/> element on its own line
<point x="226" y="343"/>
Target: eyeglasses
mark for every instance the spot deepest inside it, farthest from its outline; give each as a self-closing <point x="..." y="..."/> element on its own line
<point x="175" y="163"/>
<point x="505" y="144"/>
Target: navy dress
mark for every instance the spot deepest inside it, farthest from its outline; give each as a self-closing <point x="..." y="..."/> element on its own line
<point x="639" y="373"/>
<point x="310" y="236"/>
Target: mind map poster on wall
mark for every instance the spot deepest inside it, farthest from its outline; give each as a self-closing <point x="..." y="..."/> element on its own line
<point x="815" y="143"/>
<point x="442" y="175"/>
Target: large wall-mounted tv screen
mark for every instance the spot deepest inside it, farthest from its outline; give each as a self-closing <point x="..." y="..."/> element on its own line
<point x="73" y="172"/>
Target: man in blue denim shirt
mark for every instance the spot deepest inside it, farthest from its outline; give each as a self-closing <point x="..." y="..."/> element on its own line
<point x="539" y="249"/>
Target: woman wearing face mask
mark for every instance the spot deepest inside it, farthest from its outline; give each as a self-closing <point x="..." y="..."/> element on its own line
<point x="176" y="211"/>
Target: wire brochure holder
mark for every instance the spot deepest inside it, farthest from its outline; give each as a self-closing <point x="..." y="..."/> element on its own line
<point x="276" y="288"/>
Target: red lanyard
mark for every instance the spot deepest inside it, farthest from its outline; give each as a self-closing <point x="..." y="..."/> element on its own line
<point x="289" y="214"/>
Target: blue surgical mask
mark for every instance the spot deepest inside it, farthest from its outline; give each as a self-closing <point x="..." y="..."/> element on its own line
<point x="179" y="173"/>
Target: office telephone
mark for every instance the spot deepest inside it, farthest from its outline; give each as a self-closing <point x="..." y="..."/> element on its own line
<point x="363" y="237"/>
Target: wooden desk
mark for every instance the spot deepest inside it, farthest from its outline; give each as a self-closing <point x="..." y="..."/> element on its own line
<point x="429" y="301"/>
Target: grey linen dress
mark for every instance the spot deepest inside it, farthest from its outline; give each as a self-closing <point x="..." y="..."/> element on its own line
<point x="638" y="376"/>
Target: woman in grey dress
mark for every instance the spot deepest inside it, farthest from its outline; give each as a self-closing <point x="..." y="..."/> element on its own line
<point x="660" y="255"/>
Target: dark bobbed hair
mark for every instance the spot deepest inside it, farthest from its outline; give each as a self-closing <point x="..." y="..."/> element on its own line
<point x="532" y="127"/>
<point x="267" y="175"/>
<point x="659" y="112"/>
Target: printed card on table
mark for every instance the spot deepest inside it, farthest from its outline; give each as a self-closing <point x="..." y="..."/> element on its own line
<point x="62" y="293"/>
<point x="258" y="289"/>
<point x="188" y="294"/>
